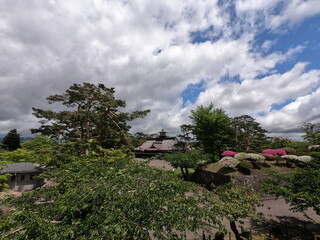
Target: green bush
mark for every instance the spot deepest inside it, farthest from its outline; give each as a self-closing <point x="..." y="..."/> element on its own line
<point x="289" y="150"/>
<point x="250" y="151"/>
<point x="302" y="152"/>
<point x="245" y="165"/>
<point x="315" y="155"/>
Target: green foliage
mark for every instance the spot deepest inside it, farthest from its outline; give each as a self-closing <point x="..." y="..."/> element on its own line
<point x="312" y="131"/>
<point x="289" y="150"/>
<point x="19" y="155"/>
<point x="39" y="142"/>
<point x="184" y="160"/>
<point x="94" y="115"/>
<point x="12" y="140"/>
<point x="279" y="142"/>
<point x="239" y="202"/>
<point x="3" y="185"/>
<point x="302" y="151"/>
<point x="110" y="197"/>
<point x="211" y="126"/>
<point x="245" y="164"/>
<point x="301" y="188"/>
<point x="186" y="135"/>
<point x="315" y="155"/>
<point x="248" y="133"/>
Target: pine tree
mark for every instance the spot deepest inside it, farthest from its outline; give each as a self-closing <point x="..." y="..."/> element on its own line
<point x="12" y="140"/>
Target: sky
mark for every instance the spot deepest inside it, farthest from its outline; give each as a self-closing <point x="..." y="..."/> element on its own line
<point x="254" y="57"/>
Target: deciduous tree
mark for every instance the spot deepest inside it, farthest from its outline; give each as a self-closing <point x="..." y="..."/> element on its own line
<point x="193" y="159"/>
<point x="211" y="126"/>
<point x="110" y="197"/>
<point x="301" y="188"/>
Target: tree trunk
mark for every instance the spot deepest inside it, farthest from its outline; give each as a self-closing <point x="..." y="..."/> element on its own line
<point x="185" y="177"/>
<point x="235" y="230"/>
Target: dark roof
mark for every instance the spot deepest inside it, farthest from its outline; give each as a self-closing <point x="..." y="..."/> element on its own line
<point x="21" y="167"/>
<point x="167" y="144"/>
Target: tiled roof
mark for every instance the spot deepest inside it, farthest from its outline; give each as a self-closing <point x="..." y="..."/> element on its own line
<point x="21" y="167"/>
<point x="166" y="144"/>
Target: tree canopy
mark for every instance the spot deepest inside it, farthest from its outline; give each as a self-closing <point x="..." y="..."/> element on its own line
<point x="249" y="135"/>
<point x="193" y="159"/>
<point x="301" y="188"/>
<point x="312" y="133"/>
<point x="110" y="197"/>
<point x="92" y="114"/>
<point x="211" y="126"/>
<point x="12" y="140"/>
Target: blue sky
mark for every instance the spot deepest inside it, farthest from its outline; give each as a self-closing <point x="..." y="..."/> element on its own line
<point x="252" y="57"/>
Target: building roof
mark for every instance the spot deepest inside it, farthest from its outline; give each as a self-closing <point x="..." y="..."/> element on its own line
<point x="161" y="143"/>
<point x="21" y="167"/>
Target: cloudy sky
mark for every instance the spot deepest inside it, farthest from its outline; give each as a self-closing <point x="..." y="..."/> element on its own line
<point x="253" y="57"/>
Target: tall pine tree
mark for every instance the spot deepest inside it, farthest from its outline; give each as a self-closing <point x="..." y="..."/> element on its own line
<point x="92" y="115"/>
<point x="12" y="140"/>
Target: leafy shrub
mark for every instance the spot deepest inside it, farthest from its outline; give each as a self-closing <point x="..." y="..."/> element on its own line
<point x="228" y="153"/>
<point x="245" y="164"/>
<point x="268" y="157"/>
<point x="280" y="152"/>
<point x="250" y="151"/>
<point x="241" y="156"/>
<point x="270" y="151"/>
<point x="302" y="152"/>
<point x="228" y="162"/>
<point x="289" y="150"/>
<point x="315" y="155"/>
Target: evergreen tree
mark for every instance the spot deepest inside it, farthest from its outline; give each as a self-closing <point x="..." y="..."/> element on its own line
<point x="249" y="135"/>
<point x="312" y="131"/>
<point x="94" y="117"/>
<point x="12" y="140"/>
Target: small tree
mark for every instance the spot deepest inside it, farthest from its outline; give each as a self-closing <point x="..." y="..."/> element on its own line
<point x="186" y="135"/>
<point x="301" y="189"/>
<point x="12" y="140"/>
<point x="279" y="142"/>
<point x="238" y="202"/>
<point x="185" y="160"/>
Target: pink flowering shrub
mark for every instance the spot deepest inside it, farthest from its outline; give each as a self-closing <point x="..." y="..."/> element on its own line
<point x="228" y="153"/>
<point x="270" y="152"/>
<point x="281" y="152"/>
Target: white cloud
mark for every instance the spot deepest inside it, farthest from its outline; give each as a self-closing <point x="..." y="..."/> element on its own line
<point x="304" y="109"/>
<point x="144" y="50"/>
